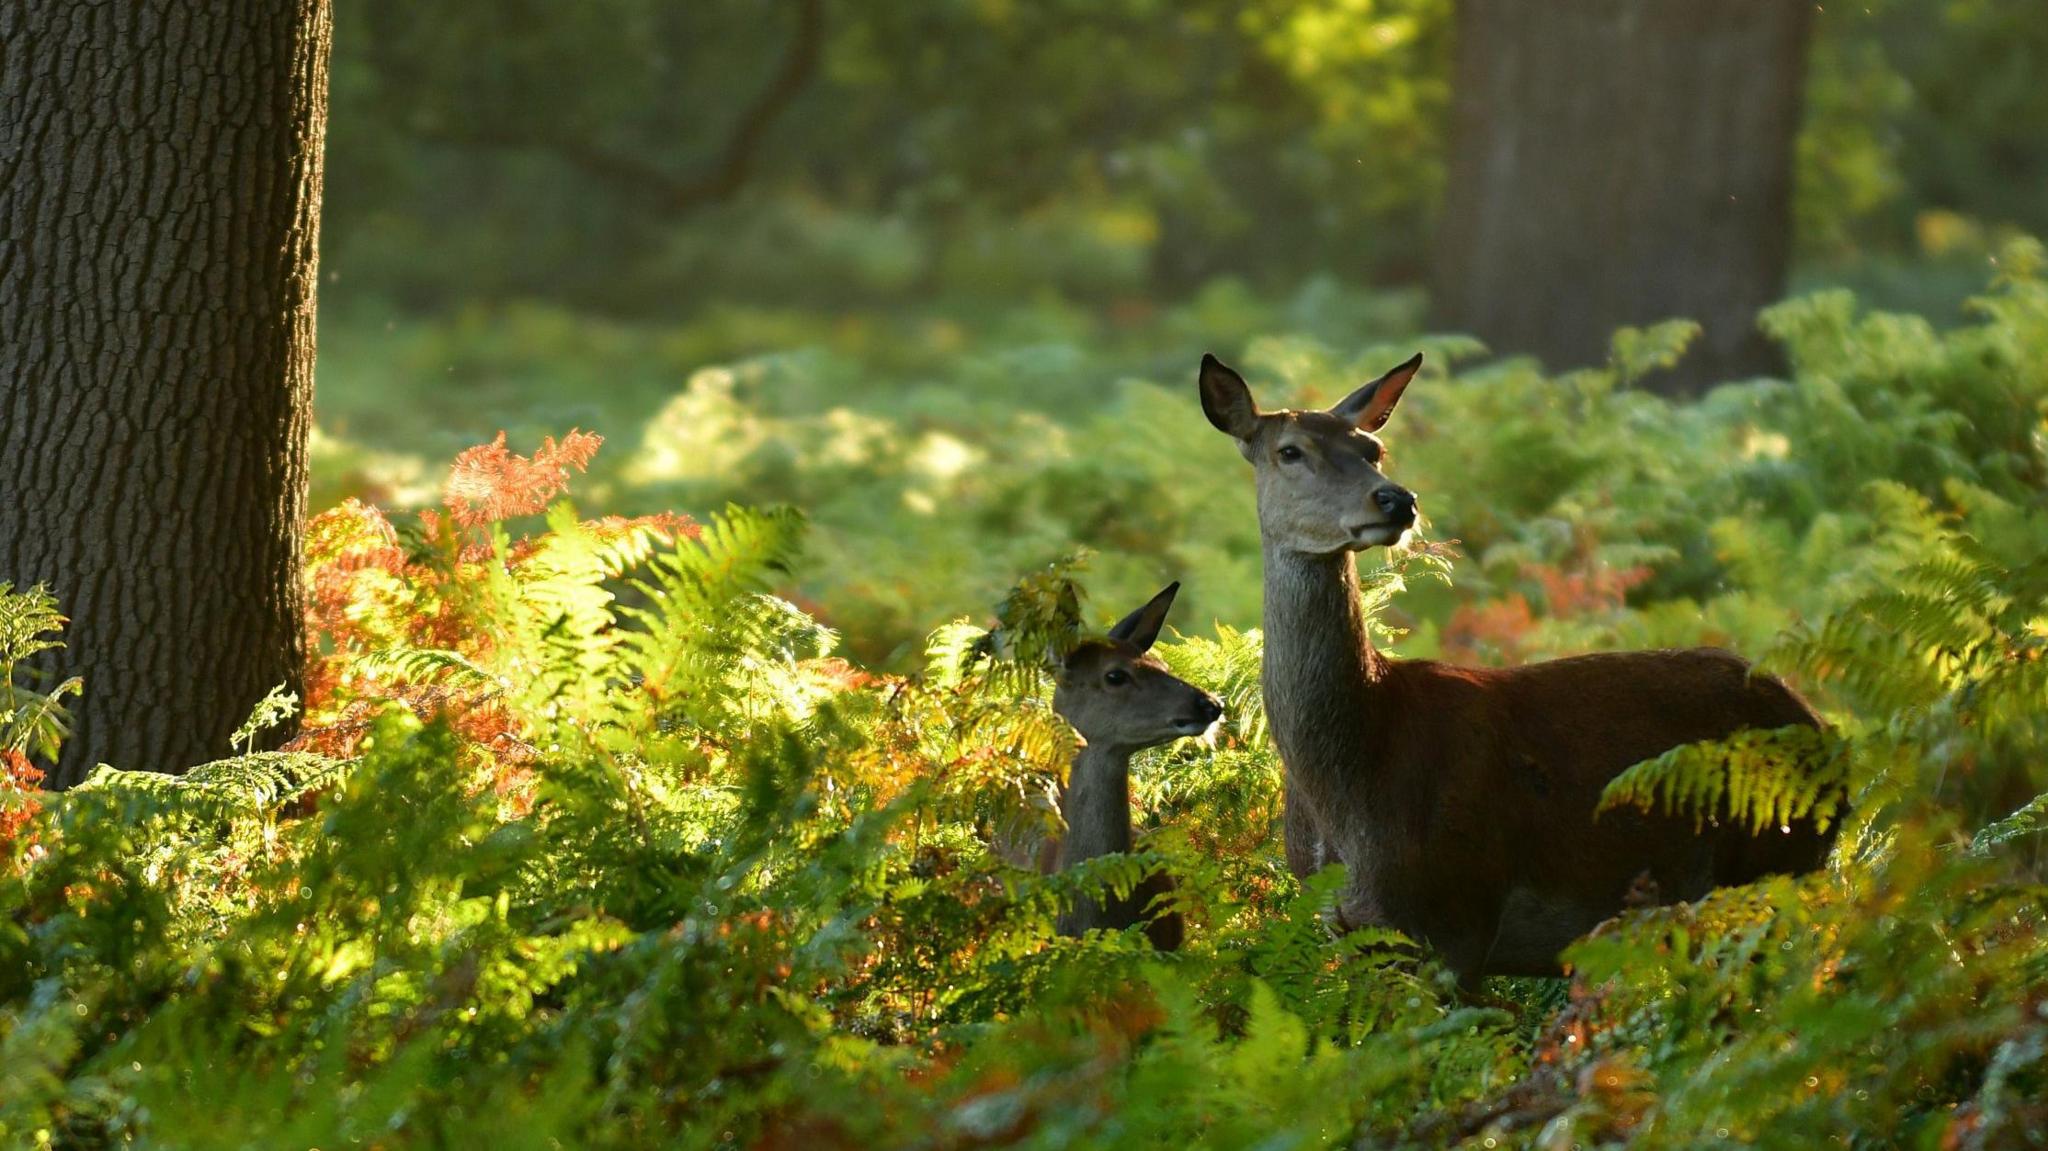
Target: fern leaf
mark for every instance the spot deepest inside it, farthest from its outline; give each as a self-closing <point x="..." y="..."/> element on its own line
<point x="1762" y="778"/>
<point x="2031" y="819"/>
<point x="244" y="785"/>
<point x="31" y="720"/>
<point x="425" y="665"/>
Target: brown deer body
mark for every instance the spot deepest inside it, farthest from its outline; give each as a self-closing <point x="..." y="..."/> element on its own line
<point x="1461" y="799"/>
<point x="1121" y="699"/>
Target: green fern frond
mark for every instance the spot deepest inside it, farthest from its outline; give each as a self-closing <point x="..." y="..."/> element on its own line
<point x="708" y="621"/>
<point x="740" y="552"/>
<point x="1040" y="620"/>
<point x="1230" y="666"/>
<point x="625" y="548"/>
<point x="29" y="623"/>
<point x="31" y="720"/>
<point x="1031" y="737"/>
<point x="1379" y="587"/>
<point x="949" y="650"/>
<point x="252" y="784"/>
<point x="2032" y="819"/>
<point x="265" y="779"/>
<point x="1762" y="778"/>
<point x="274" y="708"/>
<point x="426" y="665"/>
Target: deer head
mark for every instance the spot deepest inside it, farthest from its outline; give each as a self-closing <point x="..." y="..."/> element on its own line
<point x="1118" y="695"/>
<point x="1320" y="487"/>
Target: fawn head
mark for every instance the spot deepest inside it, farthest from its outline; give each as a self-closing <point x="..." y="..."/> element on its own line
<point x="1320" y="487"/>
<point x="1117" y="694"/>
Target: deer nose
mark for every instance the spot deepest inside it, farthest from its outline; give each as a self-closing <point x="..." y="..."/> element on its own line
<point x="1395" y="503"/>
<point x="1207" y="710"/>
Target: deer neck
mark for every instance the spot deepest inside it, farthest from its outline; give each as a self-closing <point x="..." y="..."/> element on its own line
<point x="1321" y="673"/>
<point x="1098" y="804"/>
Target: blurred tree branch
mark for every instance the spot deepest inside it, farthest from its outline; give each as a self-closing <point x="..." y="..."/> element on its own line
<point x="671" y="193"/>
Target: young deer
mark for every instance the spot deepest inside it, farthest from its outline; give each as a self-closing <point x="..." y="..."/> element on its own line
<point x="1122" y="700"/>
<point x="1461" y="798"/>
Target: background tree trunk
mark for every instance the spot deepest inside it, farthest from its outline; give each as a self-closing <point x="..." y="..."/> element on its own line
<point x="1621" y="162"/>
<point x="159" y="209"/>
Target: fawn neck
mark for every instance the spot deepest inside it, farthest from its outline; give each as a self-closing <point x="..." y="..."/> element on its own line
<point x="1098" y="804"/>
<point x="1320" y="669"/>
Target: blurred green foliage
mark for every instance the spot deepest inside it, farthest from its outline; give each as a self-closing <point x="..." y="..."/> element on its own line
<point x="937" y="457"/>
<point x="652" y="159"/>
<point x="962" y="148"/>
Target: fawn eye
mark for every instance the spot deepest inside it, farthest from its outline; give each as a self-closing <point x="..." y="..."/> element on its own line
<point x="1116" y="677"/>
<point x="1289" y="454"/>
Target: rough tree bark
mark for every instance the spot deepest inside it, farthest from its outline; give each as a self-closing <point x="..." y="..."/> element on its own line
<point x="1621" y="162"/>
<point x="159" y="210"/>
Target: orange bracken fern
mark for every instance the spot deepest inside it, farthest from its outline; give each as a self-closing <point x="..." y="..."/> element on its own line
<point x="18" y="804"/>
<point x="372" y="588"/>
<point x="490" y="482"/>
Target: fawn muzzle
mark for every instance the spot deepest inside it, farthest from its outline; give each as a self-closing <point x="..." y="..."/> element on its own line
<point x="1207" y="709"/>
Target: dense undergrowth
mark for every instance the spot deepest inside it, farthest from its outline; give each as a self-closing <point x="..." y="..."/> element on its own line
<point x="591" y="840"/>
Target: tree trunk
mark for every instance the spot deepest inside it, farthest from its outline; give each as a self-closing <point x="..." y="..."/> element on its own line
<point x="159" y="210"/>
<point x="1621" y="162"/>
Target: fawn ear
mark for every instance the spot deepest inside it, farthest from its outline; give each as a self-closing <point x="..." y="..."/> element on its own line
<point x="1140" y="629"/>
<point x="1369" y="406"/>
<point x="1227" y="399"/>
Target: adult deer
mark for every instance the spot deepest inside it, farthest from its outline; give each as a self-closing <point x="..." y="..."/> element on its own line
<point x="1462" y="798"/>
<point x="1121" y="699"/>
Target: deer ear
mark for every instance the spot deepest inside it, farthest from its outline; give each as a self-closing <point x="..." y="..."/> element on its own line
<point x="1369" y="406"/>
<point x="1227" y="399"/>
<point x="1140" y="629"/>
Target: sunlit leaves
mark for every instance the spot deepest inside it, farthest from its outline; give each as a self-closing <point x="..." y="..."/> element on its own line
<point x="490" y="482"/>
<point x="276" y="706"/>
<point x="1764" y="780"/>
<point x="31" y="721"/>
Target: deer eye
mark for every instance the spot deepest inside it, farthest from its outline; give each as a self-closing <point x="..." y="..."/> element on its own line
<point x="1289" y="454"/>
<point x="1116" y="677"/>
